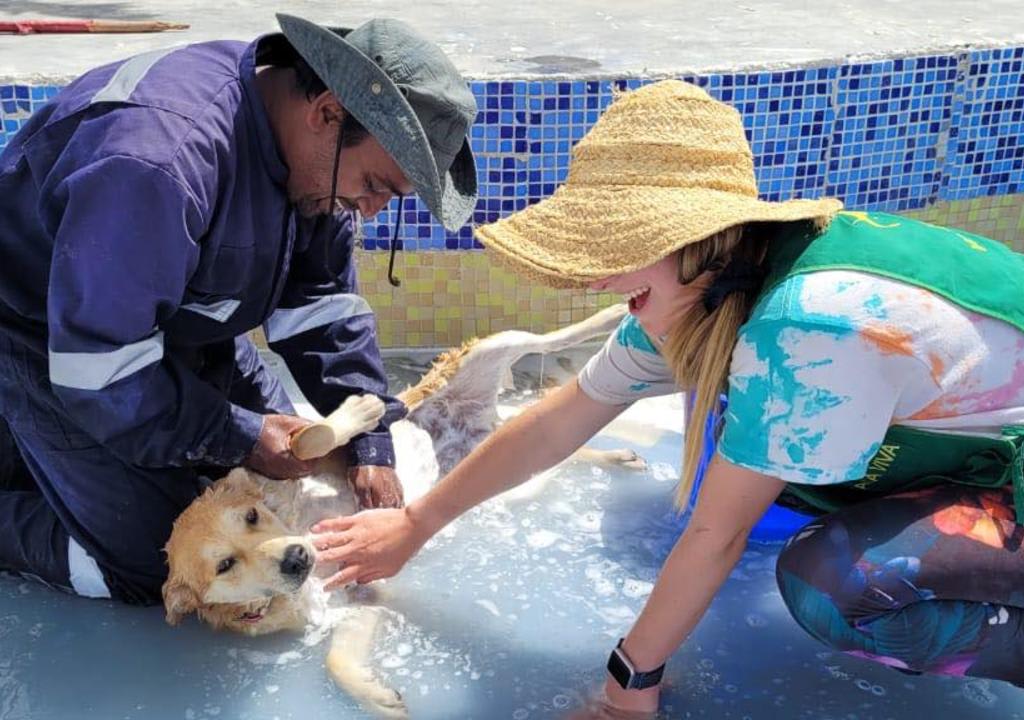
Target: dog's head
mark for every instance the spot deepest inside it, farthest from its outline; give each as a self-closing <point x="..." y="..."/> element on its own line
<point x="234" y="561"/>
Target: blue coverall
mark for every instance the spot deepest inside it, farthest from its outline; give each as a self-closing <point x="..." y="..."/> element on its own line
<point x="144" y="230"/>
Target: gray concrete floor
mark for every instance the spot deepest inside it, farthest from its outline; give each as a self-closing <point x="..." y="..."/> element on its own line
<point x="531" y="38"/>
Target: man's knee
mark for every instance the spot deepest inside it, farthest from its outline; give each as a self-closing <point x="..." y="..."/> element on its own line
<point x="14" y="473"/>
<point x="136" y="580"/>
<point x="119" y="517"/>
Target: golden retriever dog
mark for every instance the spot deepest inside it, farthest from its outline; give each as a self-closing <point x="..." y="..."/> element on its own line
<point x="241" y="558"/>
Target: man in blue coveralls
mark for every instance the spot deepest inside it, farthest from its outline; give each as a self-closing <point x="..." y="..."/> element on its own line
<point x="153" y="213"/>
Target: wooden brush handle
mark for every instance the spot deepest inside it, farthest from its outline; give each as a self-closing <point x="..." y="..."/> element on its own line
<point x="357" y="415"/>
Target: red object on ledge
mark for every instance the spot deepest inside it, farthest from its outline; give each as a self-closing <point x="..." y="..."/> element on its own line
<point x="30" y="27"/>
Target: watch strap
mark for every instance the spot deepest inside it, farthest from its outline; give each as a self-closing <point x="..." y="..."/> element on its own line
<point x="625" y="673"/>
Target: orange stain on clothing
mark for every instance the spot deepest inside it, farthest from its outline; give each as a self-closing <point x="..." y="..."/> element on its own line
<point x="940" y="408"/>
<point x="938" y="367"/>
<point x="889" y="340"/>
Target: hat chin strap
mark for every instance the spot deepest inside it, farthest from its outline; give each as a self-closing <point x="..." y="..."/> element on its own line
<point x="395" y="282"/>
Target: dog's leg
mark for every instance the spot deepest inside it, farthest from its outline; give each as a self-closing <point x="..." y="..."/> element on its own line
<point x="598" y="324"/>
<point x="358" y="414"/>
<point x="348" y="662"/>
<point x="617" y="457"/>
<point x="501" y="350"/>
<point x="623" y="457"/>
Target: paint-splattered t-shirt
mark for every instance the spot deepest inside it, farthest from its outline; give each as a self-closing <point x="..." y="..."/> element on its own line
<point x="828" y="361"/>
<point x="627" y="368"/>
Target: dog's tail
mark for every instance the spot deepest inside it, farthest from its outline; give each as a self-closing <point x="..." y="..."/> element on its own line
<point x="479" y="367"/>
<point x="441" y="370"/>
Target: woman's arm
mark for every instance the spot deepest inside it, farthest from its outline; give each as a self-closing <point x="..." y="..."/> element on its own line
<point x="731" y="501"/>
<point x="376" y="544"/>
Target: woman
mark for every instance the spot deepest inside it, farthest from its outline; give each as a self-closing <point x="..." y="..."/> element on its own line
<point x="873" y="367"/>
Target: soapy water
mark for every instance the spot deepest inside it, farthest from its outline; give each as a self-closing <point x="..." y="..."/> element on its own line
<point x="508" y="613"/>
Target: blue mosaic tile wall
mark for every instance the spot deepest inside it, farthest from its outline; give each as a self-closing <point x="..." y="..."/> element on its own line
<point x="895" y="135"/>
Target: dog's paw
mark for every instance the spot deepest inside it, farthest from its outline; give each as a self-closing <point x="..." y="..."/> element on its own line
<point x="372" y="695"/>
<point x="625" y="457"/>
<point x="363" y="412"/>
<point x="385" y="702"/>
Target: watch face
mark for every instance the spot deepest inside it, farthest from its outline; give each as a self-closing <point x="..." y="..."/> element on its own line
<point x="619" y="670"/>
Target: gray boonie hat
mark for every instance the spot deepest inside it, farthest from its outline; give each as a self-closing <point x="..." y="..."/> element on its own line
<point x="406" y="92"/>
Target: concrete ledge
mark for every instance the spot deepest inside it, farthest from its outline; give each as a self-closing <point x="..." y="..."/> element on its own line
<point x="540" y="38"/>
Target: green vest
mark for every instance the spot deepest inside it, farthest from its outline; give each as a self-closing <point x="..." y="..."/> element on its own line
<point x="971" y="271"/>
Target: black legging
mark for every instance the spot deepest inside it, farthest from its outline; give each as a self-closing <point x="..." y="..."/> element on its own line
<point x="929" y="581"/>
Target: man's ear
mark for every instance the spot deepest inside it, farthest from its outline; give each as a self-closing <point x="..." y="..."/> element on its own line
<point x="179" y="600"/>
<point x="324" y="113"/>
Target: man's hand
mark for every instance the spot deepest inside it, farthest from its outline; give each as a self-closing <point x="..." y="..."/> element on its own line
<point x="376" y="487"/>
<point x="272" y="455"/>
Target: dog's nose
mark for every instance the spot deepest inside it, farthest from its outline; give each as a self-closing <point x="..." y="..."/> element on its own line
<point x="296" y="561"/>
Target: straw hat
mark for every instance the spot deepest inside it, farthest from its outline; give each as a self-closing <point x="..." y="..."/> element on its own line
<point x="664" y="167"/>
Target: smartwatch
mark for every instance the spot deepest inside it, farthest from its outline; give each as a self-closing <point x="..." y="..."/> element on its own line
<point x="625" y="673"/>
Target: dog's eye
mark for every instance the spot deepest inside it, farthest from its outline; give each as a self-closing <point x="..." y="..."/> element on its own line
<point x="252" y="517"/>
<point x="224" y="565"/>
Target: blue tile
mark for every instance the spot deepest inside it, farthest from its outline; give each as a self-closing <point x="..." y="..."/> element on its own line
<point x="877" y="138"/>
<point x="988" y="124"/>
<point x="888" y="134"/>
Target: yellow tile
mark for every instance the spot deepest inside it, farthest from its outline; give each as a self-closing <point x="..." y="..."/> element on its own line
<point x="449" y="296"/>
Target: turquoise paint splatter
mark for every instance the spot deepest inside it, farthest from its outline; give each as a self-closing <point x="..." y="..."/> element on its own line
<point x="814" y="364"/>
<point x="874" y="306"/>
<point x="811" y="475"/>
<point x="818" y="400"/>
<point x="811" y="441"/>
<point x="860" y="467"/>
<point x="795" y="452"/>
<point x="801" y="444"/>
<point x="630" y="334"/>
<point x="762" y="407"/>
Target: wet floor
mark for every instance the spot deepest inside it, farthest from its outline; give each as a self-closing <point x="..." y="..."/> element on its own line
<point x="509" y="613"/>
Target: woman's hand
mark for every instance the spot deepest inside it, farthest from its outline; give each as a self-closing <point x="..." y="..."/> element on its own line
<point x="618" y="704"/>
<point x="731" y="501"/>
<point x="643" y="701"/>
<point x="370" y="545"/>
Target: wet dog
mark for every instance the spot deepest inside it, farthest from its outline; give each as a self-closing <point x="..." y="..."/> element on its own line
<point x="240" y="556"/>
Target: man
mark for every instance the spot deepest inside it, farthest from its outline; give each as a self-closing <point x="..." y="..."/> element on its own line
<point x="153" y="213"/>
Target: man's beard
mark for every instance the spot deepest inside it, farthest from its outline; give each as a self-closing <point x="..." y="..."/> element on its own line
<point x="313" y="207"/>
<point x="310" y="207"/>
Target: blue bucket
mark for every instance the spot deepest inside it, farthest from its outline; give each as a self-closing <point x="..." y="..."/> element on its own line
<point x="778" y="523"/>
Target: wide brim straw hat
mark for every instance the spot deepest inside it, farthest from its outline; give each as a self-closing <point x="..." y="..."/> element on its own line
<point x="664" y="167"/>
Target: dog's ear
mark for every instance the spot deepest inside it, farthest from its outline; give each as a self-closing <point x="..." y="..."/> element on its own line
<point x="240" y="480"/>
<point x="179" y="600"/>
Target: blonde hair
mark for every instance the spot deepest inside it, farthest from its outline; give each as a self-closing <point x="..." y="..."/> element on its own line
<point x="699" y="346"/>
